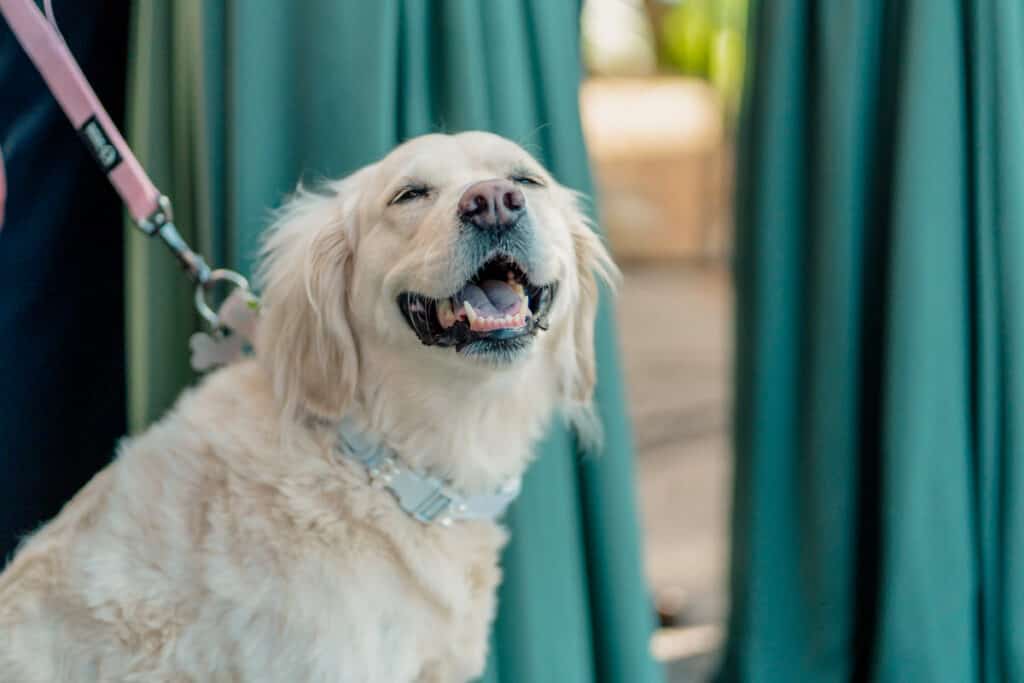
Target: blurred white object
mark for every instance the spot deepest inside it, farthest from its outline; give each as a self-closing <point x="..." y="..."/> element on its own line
<point x="618" y="39"/>
<point x="668" y="644"/>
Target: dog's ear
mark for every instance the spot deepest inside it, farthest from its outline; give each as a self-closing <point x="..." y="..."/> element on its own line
<point x="594" y="268"/>
<point x="305" y="339"/>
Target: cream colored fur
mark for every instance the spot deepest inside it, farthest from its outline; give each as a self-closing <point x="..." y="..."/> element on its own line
<point x="228" y="542"/>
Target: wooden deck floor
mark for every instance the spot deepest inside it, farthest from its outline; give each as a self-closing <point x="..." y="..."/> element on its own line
<point x="675" y="332"/>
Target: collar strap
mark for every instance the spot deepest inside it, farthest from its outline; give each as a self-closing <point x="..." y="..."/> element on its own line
<point x="422" y="496"/>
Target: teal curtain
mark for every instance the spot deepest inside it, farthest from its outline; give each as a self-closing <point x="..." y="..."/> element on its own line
<point x="231" y="103"/>
<point x="878" y="524"/>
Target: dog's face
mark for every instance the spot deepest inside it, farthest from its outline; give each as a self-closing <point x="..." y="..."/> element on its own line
<point x="460" y="251"/>
<point x="467" y="243"/>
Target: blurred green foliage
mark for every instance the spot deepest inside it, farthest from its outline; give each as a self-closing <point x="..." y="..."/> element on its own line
<point x="706" y="39"/>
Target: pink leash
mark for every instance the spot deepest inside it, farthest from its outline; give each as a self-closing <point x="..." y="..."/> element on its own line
<point x="48" y="51"/>
<point x="151" y="210"/>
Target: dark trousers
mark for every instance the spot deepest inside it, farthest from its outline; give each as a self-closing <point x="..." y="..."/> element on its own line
<point x="62" y="381"/>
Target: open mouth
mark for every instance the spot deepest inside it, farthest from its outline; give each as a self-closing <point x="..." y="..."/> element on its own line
<point x="498" y="309"/>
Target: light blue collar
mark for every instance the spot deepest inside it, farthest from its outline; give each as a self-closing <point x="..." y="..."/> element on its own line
<point x="422" y="496"/>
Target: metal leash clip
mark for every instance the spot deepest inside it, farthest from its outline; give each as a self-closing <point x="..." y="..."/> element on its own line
<point x="232" y="326"/>
<point x="241" y="286"/>
<point x="161" y="224"/>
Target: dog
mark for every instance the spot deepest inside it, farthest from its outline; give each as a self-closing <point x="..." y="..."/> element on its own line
<point x="425" y="317"/>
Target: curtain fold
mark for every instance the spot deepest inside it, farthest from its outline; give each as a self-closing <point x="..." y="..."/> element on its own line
<point x="233" y="102"/>
<point x="880" y="321"/>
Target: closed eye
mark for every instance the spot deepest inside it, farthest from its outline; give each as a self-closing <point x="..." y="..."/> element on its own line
<point x="524" y="179"/>
<point x="409" y="193"/>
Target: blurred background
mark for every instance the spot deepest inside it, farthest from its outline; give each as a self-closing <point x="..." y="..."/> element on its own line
<point x="659" y="108"/>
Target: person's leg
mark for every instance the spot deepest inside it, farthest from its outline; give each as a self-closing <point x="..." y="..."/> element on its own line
<point x="62" y="384"/>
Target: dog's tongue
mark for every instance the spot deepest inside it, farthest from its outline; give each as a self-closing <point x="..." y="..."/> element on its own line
<point x="491" y="298"/>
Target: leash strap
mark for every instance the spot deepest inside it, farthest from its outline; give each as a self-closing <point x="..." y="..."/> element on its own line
<point x="58" y="67"/>
<point x="150" y="209"/>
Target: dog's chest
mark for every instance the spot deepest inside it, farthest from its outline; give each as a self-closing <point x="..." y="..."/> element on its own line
<point x="376" y="608"/>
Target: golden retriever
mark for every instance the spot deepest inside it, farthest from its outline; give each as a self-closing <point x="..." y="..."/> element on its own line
<point x="439" y="302"/>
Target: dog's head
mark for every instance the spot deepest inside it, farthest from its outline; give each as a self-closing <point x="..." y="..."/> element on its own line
<point x="458" y="254"/>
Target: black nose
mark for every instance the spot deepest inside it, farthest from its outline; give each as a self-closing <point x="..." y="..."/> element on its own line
<point x="492" y="204"/>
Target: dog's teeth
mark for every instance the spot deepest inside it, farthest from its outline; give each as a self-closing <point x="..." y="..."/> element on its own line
<point x="470" y="313"/>
<point x="518" y="289"/>
<point x="444" y="313"/>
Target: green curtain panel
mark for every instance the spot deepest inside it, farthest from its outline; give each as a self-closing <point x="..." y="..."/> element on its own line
<point x="878" y="524"/>
<point x="231" y="103"/>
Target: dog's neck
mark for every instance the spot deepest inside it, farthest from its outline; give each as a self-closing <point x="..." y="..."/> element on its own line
<point x="476" y="430"/>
